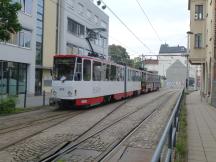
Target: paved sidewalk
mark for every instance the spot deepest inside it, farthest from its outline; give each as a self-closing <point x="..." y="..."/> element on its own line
<point x="201" y="129"/>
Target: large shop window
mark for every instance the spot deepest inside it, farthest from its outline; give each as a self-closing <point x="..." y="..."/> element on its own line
<point x="3" y="77"/>
<point x="13" y="78"/>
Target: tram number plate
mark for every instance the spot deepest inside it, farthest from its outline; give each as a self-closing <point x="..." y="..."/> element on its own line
<point x="96" y="89"/>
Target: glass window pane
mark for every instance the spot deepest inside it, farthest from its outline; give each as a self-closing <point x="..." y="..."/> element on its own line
<point x="21" y="39"/>
<point x="96" y="71"/>
<point x="113" y="73"/>
<point x="27" y="39"/>
<point x="3" y="77"/>
<point x="28" y="6"/>
<point x="22" y="78"/>
<point x="87" y="70"/>
<point x="78" y="74"/>
<point x="108" y="72"/>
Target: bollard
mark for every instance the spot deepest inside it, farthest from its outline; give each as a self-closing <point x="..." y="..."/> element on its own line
<point x="44" y="95"/>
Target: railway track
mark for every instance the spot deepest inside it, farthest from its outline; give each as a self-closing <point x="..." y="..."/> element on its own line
<point x="50" y="122"/>
<point x="53" y="121"/>
<point x="34" y="122"/>
<point x="72" y="146"/>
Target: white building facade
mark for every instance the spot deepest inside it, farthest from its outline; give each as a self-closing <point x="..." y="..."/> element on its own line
<point x="76" y="18"/>
<point x="17" y="56"/>
<point x="167" y="58"/>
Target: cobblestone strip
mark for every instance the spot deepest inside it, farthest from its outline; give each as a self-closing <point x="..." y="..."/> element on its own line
<point x="148" y="135"/>
<point x="99" y="143"/>
<point x="32" y="148"/>
<point x="67" y="131"/>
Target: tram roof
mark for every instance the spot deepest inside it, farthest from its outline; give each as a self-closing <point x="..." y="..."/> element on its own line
<point x="96" y="59"/>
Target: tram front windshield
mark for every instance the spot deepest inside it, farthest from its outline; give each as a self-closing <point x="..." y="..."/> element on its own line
<point x="64" y="69"/>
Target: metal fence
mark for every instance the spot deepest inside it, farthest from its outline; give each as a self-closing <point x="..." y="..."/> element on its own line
<point x="168" y="138"/>
<point x="30" y="100"/>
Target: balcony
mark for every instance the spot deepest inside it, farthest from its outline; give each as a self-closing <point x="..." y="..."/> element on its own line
<point x="197" y="56"/>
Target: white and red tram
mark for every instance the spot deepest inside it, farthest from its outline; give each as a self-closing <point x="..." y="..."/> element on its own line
<point x="86" y="81"/>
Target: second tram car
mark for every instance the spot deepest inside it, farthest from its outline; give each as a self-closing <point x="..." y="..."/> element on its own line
<point x="86" y="81"/>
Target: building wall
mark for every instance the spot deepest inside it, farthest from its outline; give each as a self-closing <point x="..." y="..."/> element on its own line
<point x="70" y="9"/>
<point x="15" y="53"/>
<point x="207" y="61"/>
<point x="49" y="42"/>
<point x="176" y="75"/>
<point x="197" y="26"/>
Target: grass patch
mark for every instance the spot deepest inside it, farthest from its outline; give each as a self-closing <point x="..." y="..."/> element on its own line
<point x="181" y="143"/>
<point x="7" y="105"/>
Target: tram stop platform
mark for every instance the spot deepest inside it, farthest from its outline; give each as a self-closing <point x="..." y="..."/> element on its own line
<point x="201" y="119"/>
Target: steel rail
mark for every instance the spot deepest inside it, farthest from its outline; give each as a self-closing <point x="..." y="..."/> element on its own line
<point x="71" y="146"/>
<point x="64" y="118"/>
<point x="169" y="133"/>
<point x="112" y="150"/>
<point x="34" y="122"/>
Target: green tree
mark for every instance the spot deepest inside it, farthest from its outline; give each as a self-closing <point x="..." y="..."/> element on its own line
<point x="119" y="54"/>
<point x="137" y="62"/>
<point x="9" y="23"/>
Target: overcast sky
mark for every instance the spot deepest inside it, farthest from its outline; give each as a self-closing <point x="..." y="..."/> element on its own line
<point x="169" y="17"/>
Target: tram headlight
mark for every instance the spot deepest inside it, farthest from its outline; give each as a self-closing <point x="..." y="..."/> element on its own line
<point x="54" y="93"/>
<point x="69" y="93"/>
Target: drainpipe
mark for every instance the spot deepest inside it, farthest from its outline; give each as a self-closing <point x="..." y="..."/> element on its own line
<point x="58" y="26"/>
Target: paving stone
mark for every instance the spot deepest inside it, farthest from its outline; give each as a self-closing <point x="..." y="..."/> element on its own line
<point x="203" y="122"/>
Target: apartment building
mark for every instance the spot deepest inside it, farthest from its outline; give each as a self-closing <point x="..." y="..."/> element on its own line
<point x="65" y="27"/>
<point x="76" y="19"/>
<point x="202" y="44"/>
<point x="46" y="44"/>
<point x="17" y="56"/>
<point x="49" y="27"/>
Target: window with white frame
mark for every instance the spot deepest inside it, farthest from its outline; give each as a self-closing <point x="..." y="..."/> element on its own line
<point x="96" y="19"/>
<point x="70" y="4"/>
<point x="27" y="6"/>
<point x="22" y="38"/>
<point x="199" y="12"/>
<point x="103" y="24"/>
<point x="198" y="40"/>
<point x="75" y="28"/>
<point x="89" y="14"/>
<point x="80" y="8"/>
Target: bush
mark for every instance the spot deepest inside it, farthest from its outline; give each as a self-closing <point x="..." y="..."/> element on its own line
<point x="7" y="105"/>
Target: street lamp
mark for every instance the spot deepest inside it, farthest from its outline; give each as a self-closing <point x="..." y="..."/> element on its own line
<point x="187" y="55"/>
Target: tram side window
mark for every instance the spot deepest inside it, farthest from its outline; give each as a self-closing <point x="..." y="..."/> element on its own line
<point x="97" y="71"/>
<point x="143" y="76"/>
<point x="118" y="73"/>
<point x="122" y="74"/>
<point x="113" y="73"/>
<point x="108" y="71"/>
<point x="129" y="75"/>
<point x="133" y="75"/>
<point x="103" y="72"/>
<point x="87" y="70"/>
<point x="78" y="74"/>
